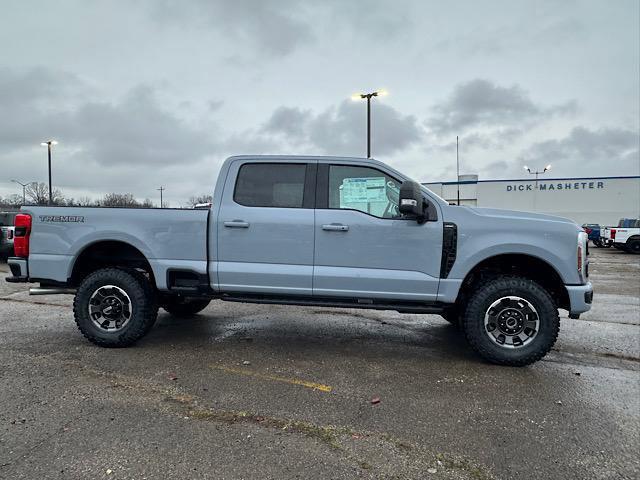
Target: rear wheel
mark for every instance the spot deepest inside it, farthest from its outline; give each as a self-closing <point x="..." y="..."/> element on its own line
<point x="511" y="321"/>
<point x="184" y="307"/>
<point x="115" y="307"/>
<point x="633" y="246"/>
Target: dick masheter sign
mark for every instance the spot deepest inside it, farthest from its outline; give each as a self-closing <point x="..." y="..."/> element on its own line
<point x="557" y="186"/>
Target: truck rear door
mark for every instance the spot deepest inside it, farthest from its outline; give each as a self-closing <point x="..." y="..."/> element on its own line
<point x="265" y="228"/>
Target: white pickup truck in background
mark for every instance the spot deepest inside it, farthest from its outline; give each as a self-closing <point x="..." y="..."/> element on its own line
<point x="626" y="236"/>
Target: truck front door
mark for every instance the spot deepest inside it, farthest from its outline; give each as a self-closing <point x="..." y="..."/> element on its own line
<point x="265" y="228"/>
<point x="363" y="248"/>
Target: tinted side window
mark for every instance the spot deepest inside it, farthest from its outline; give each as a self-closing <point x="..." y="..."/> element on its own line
<point x="270" y="185"/>
<point x="365" y="189"/>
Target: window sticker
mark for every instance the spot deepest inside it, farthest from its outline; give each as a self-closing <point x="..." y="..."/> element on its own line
<point x="356" y="192"/>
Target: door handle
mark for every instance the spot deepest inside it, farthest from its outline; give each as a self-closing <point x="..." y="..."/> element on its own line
<point x="335" y="227"/>
<point x="236" y="224"/>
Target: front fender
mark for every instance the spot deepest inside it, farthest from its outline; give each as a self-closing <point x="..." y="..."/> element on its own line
<point x="559" y="253"/>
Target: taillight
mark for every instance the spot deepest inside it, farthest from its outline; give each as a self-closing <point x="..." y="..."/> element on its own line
<point x="580" y="258"/>
<point x="22" y="232"/>
<point x="613" y="234"/>
<point x="582" y="251"/>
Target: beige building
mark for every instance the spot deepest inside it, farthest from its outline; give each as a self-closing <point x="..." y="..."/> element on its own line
<point x="602" y="200"/>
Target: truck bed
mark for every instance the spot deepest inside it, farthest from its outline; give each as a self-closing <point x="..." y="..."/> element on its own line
<point x="168" y="238"/>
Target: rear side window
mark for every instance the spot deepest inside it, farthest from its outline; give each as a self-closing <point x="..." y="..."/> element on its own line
<point x="270" y="185"/>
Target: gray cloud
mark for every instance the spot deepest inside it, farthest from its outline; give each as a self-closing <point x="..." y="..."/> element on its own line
<point x="37" y="85"/>
<point x="480" y="103"/>
<point x="290" y="121"/>
<point x="276" y="28"/>
<point x="136" y="130"/>
<point x="606" y="150"/>
<point x="341" y="129"/>
<point x="214" y="73"/>
<point x="42" y="103"/>
<point x="548" y="31"/>
<point x="29" y="101"/>
<point x="583" y="151"/>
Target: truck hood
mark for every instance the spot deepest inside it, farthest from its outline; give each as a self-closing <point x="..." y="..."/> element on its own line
<point x="498" y="212"/>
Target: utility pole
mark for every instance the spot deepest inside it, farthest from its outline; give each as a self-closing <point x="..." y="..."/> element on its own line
<point x="458" y="170"/>
<point x="161" y="189"/>
<point x="368" y="96"/>
<point x="48" y="143"/>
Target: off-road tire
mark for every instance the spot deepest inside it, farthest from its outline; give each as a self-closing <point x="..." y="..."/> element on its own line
<point x="184" y="307"/>
<point x="478" y="304"/>
<point x="633" y="246"/>
<point x="144" y="307"/>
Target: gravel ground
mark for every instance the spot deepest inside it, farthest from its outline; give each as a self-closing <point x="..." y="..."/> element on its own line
<point x="254" y="391"/>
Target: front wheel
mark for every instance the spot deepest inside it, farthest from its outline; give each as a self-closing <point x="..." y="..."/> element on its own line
<point x="184" y="307"/>
<point x="511" y="321"/>
<point x="115" y="307"/>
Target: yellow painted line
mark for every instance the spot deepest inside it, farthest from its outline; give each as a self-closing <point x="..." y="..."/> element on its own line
<point x="275" y="378"/>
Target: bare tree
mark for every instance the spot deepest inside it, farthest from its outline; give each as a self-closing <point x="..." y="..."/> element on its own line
<point x="119" y="200"/>
<point x="85" y="202"/>
<point x="147" y="203"/>
<point x="12" y="201"/>
<point x="193" y="201"/>
<point x="38" y="194"/>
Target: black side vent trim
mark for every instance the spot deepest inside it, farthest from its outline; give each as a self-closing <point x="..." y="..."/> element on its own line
<point x="449" y="248"/>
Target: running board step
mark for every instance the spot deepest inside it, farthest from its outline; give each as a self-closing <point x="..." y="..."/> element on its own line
<point x="402" y="307"/>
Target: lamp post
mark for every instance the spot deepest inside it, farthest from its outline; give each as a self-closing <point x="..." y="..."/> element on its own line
<point x="458" y="169"/>
<point x="48" y="144"/>
<point x="536" y="173"/>
<point x="24" y="186"/>
<point x="368" y="97"/>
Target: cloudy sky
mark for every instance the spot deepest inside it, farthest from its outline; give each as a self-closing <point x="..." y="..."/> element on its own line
<point x="144" y="93"/>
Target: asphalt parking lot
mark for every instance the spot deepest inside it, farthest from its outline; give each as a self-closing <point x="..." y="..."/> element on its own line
<point x="254" y="391"/>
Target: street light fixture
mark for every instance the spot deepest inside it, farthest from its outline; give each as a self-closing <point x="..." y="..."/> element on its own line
<point x="24" y="186"/>
<point x="535" y="190"/>
<point x="48" y="145"/>
<point x="368" y="96"/>
<point x="536" y="173"/>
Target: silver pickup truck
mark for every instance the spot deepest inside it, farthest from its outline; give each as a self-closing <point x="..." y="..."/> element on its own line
<point x="330" y="231"/>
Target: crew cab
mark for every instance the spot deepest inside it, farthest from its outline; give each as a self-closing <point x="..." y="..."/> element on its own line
<point x="330" y="231"/>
